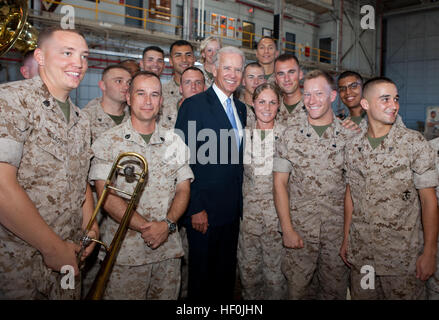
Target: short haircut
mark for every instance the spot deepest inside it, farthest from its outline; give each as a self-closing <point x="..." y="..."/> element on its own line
<point x="153" y="48"/>
<point x="194" y="69"/>
<point x="180" y="43"/>
<point x="350" y="74"/>
<point x="252" y="65"/>
<point x="320" y="73"/>
<point x="28" y="56"/>
<point x="229" y="49"/>
<point x="369" y="84"/>
<point x="114" y="66"/>
<point x="128" y="61"/>
<point x="265" y="37"/>
<point x="47" y="33"/>
<point x="147" y="74"/>
<point x="266" y="85"/>
<point x="285" y="57"/>
<point x="206" y="41"/>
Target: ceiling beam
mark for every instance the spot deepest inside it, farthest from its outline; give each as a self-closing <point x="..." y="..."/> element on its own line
<point x="410" y="9"/>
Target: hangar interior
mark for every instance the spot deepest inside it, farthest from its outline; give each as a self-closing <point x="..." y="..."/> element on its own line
<point x="394" y="38"/>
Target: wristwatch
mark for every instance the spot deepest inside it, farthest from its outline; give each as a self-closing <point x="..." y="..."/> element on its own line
<point x="171" y="226"/>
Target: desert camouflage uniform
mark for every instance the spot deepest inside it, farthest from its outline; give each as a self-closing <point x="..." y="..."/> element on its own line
<point x="364" y="126"/>
<point x="52" y="158"/>
<point x="386" y="231"/>
<point x="316" y="192"/>
<point x="168" y="115"/>
<point x="184" y="263"/>
<point x="251" y="116"/>
<point x="100" y="121"/>
<point x="208" y="77"/>
<point x="168" y="166"/>
<point x="298" y="116"/>
<point x="433" y="282"/>
<point x="171" y="97"/>
<point x="272" y="78"/>
<point x="260" y="244"/>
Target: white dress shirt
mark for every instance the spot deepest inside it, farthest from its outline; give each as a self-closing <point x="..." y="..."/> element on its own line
<point x="223" y="99"/>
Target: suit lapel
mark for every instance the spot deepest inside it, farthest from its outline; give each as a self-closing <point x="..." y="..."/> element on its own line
<point x="217" y="110"/>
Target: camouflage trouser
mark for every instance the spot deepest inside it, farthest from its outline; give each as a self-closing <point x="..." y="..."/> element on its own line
<point x="404" y="287"/>
<point x="315" y="272"/>
<point x="92" y="266"/>
<point x="154" y="281"/>
<point x="30" y="279"/>
<point x="92" y="263"/>
<point x="184" y="263"/>
<point x="433" y="284"/>
<point x="259" y="262"/>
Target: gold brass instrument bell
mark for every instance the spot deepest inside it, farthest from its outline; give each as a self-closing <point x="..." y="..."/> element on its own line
<point x="98" y="288"/>
<point x="15" y="31"/>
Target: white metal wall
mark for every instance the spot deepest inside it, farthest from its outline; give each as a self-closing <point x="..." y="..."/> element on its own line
<point x="412" y="61"/>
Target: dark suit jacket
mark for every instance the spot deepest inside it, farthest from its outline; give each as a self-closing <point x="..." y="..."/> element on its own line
<point x="217" y="187"/>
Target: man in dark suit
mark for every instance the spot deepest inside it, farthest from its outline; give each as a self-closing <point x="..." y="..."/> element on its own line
<point x="212" y="124"/>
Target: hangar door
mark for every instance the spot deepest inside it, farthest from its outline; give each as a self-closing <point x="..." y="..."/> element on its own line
<point x="411" y="59"/>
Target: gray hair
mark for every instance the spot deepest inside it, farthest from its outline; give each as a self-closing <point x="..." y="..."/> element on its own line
<point x="229" y="49"/>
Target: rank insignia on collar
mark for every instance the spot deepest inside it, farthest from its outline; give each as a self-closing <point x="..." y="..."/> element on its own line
<point x="406" y="195"/>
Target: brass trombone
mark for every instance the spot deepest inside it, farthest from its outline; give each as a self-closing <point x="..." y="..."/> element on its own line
<point x="98" y="288"/>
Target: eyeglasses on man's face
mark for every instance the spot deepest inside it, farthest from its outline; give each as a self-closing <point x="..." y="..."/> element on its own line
<point x="352" y="86"/>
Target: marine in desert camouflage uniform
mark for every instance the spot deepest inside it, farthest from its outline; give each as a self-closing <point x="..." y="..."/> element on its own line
<point x="111" y="109"/>
<point x="148" y="264"/>
<point x="288" y="75"/>
<point x="105" y="113"/>
<point x="208" y="49"/>
<point x="259" y="243"/>
<point x="391" y="177"/>
<point x="350" y="85"/>
<point x="100" y="120"/>
<point x="252" y="77"/>
<point x="153" y="60"/>
<point x="192" y="82"/>
<point x="309" y="163"/>
<point x="266" y="53"/>
<point x="44" y="159"/>
<point x="292" y="110"/>
<point x="181" y="57"/>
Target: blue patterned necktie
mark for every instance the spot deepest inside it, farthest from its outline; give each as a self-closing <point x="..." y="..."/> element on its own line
<point x="232" y="119"/>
